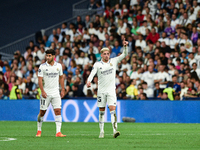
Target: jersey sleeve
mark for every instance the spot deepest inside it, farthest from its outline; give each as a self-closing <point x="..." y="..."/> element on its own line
<point x="93" y="72"/>
<point x="60" y="71"/>
<point x="123" y="55"/>
<point x="40" y="71"/>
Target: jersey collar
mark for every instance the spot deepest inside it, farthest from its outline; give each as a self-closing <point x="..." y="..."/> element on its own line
<point x="104" y="62"/>
<point x="55" y="63"/>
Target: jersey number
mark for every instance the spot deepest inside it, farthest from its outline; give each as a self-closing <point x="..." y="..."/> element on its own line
<point x="42" y="101"/>
<point x="99" y="99"/>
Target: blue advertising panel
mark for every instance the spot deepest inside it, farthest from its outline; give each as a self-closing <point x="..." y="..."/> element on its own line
<point x="87" y="111"/>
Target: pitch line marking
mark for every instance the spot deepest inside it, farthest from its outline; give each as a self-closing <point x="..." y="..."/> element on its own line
<point x="139" y="134"/>
<point x="7" y="139"/>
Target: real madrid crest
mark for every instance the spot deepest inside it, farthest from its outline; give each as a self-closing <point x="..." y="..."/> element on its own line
<point x="111" y="64"/>
<point x="57" y="69"/>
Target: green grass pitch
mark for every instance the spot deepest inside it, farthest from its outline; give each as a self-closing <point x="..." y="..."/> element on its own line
<point x="84" y="136"/>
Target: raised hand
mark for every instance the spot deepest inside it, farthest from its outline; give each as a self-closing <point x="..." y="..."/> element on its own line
<point x="125" y="43"/>
<point x="88" y="84"/>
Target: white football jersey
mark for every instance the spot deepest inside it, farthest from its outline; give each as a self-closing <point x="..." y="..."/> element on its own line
<point x="50" y="76"/>
<point x="106" y="73"/>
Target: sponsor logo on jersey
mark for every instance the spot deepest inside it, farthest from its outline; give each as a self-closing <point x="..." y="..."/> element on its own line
<point x="51" y="75"/>
<point x="106" y="72"/>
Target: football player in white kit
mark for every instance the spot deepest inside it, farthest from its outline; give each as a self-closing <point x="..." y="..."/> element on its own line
<point x="49" y="75"/>
<point x="106" y="72"/>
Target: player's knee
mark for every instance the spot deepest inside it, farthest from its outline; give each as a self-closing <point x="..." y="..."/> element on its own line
<point x="57" y="111"/>
<point x="102" y="108"/>
<point x="42" y="113"/>
<point x="112" y="108"/>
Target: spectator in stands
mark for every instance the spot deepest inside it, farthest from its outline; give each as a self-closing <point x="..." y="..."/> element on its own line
<point x="162" y="77"/>
<point x="122" y="93"/>
<point x="142" y="29"/>
<point x="15" y="93"/>
<point x="149" y="91"/>
<point x="148" y="77"/>
<point x="140" y="42"/>
<point x="170" y="91"/>
<point x="157" y="91"/>
<point x="30" y="86"/>
<point x="92" y="5"/>
<point x="2" y="96"/>
<point x="99" y="8"/>
<point x="131" y="90"/>
<point x="121" y="28"/>
<point x="143" y="96"/>
<point x="153" y="36"/>
<point x="72" y="67"/>
<point x="116" y="48"/>
<point x="52" y="35"/>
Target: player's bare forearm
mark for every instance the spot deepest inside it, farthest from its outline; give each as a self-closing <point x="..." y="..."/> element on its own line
<point x="61" y="80"/>
<point x="40" y="84"/>
<point x="44" y="94"/>
<point x="125" y="51"/>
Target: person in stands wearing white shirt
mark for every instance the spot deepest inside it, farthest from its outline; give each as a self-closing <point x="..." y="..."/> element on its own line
<point x="142" y="29"/>
<point x="174" y="21"/>
<point x="50" y="74"/>
<point x="185" y="21"/>
<point x="172" y="41"/>
<point x="125" y="67"/>
<point x="82" y="59"/>
<point x="101" y="34"/>
<point x="106" y="72"/>
<point x="148" y="77"/>
<point x="162" y="77"/>
<point x="164" y="38"/>
<point x="41" y="53"/>
<point x="148" y="91"/>
<point x="197" y="57"/>
<point x="121" y="28"/>
<point x="191" y="59"/>
<point x="140" y="42"/>
<point x="196" y="7"/>
<point x="137" y="75"/>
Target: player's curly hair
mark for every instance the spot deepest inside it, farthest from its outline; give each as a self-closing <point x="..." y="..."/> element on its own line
<point x="51" y="51"/>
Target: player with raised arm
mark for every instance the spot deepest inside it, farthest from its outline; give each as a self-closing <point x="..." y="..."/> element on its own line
<point x="106" y="72"/>
<point x="50" y="74"/>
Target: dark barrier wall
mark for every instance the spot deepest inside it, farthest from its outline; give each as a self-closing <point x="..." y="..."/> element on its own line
<point x="86" y="111"/>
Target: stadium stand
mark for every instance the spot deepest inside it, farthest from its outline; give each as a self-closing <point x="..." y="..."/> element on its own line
<point x="164" y="51"/>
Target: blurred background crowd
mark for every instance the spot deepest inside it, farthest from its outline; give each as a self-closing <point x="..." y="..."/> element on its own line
<point x="163" y="60"/>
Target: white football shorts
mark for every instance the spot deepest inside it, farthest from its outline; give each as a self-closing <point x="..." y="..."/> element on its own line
<point x="55" y="102"/>
<point x="109" y="98"/>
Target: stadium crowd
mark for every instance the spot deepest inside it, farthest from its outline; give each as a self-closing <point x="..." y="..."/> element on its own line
<point x="164" y="51"/>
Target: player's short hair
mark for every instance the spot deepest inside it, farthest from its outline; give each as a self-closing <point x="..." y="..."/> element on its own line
<point x="104" y="49"/>
<point x="51" y="51"/>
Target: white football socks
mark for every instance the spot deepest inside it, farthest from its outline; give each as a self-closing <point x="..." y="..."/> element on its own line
<point x="58" y="121"/>
<point x="114" y="120"/>
<point x="39" y="123"/>
<point x="101" y="121"/>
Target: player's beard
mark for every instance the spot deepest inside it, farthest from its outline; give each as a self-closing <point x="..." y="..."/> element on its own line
<point x="50" y="60"/>
<point x="106" y="59"/>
